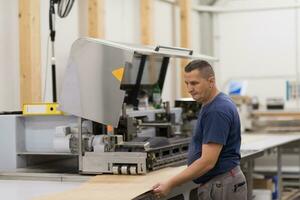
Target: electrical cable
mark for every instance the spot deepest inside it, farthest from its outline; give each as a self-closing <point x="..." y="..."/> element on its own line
<point x="63" y="9"/>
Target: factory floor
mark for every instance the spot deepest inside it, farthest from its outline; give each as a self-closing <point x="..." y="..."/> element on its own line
<point x="26" y="190"/>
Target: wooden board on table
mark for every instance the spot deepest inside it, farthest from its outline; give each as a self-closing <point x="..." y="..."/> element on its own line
<point x="115" y="187"/>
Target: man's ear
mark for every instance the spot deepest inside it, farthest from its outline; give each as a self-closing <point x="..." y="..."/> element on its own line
<point x="211" y="81"/>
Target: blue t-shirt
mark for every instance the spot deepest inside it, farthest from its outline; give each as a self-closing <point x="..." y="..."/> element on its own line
<point x="218" y="122"/>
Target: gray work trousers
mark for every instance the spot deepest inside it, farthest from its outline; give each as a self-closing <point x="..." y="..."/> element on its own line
<point x="231" y="185"/>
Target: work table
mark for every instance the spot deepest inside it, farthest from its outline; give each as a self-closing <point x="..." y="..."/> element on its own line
<point x="113" y="187"/>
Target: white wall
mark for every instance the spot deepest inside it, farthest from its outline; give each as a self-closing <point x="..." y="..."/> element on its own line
<point x="9" y="57"/>
<point x="252" y="44"/>
<point x="67" y="32"/>
<point x="257" y="46"/>
<point x="122" y="23"/>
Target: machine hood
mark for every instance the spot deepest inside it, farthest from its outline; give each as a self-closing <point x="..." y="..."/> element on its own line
<point x="91" y="86"/>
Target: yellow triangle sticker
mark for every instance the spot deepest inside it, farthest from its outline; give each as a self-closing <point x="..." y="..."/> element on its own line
<point x="118" y="73"/>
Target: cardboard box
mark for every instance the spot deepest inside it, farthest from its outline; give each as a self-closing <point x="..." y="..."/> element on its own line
<point x="263" y="184"/>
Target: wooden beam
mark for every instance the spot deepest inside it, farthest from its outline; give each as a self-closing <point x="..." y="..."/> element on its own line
<point x="146" y="13"/>
<point x="146" y="9"/>
<point x="30" y="51"/>
<point x="185" y="8"/>
<point x="96" y="18"/>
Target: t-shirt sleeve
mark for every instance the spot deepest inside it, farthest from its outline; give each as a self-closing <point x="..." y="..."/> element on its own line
<point x="216" y="127"/>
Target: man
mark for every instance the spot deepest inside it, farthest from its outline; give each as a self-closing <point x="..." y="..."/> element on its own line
<point x="214" y="152"/>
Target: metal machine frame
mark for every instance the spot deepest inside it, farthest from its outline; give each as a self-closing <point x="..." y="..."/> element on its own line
<point x="91" y="92"/>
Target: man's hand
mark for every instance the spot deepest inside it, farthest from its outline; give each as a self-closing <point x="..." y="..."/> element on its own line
<point x="210" y="155"/>
<point x="161" y="189"/>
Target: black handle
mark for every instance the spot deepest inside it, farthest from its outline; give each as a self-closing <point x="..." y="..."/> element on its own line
<point x="174" y="48"/>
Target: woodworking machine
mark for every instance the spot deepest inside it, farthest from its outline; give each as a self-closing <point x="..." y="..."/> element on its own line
<point x="102" y="84"/>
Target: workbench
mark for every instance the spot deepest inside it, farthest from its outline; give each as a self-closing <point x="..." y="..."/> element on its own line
<point x="112" y="187"/>
<point x="253" y="146"/>
<point x="263" y="142"/>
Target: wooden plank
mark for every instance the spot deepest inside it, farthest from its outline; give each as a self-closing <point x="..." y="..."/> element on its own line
<point x="185" y="8"/>
<point x="146" y="12"/>
<point x="96" y="18"/>
<point x="115" y="187"/>
<point x="290" y="194"/>
<point x="30" y="51"/>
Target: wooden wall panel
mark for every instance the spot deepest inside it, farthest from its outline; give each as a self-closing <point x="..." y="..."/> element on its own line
<point x="185" y="37"/>
<point x="147" y="33"/>
<point x="96" y="17"/>
<point x="30" y="51"/>
<point x="146" y="12"/>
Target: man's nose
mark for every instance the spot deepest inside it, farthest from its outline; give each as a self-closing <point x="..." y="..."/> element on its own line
<point x="189" y="88"/>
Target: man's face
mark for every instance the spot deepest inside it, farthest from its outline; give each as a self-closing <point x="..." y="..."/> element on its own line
<point x="198" y="87"/>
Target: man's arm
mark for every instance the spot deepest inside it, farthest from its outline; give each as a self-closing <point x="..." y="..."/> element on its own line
<point x="208" y="159"/>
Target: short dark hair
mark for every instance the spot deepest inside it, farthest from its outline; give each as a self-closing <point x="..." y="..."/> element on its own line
<point x="203" y="66"/>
